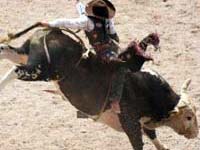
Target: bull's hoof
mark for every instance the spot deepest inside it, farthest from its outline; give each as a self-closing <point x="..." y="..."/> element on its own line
<point x="159" y="145"/>
<point x="30" y="73"/>
<point x="20" y="73"/>
<point x="81" y="115"/>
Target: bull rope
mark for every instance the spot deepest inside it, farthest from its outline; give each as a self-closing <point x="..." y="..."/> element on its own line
<point x="11" y="36"/>
<point x="72" y="33"/>
<point x="80" y="41"/>
<point x="75" y="35"/>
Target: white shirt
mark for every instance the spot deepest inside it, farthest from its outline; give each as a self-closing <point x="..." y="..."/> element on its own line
<point x="83" y="23"/>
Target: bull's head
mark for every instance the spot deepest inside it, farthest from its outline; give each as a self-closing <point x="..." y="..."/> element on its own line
<point x="183" y="118"/>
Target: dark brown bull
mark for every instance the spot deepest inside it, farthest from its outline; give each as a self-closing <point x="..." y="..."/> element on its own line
<point x="147" y="100"/>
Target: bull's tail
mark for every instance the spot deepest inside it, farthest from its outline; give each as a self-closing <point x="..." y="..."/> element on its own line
<point x="11" y="36"/>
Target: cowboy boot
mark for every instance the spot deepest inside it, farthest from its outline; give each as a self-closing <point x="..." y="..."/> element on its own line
<point x="141" y="53"/>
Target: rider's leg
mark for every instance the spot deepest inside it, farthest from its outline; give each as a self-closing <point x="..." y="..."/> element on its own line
<point x="118" y="77"/>
<point x="117" y="89"/>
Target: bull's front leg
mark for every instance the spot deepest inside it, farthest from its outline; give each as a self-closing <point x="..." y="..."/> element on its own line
<point x="151" y="134"/>
<point x="132" y="128"/>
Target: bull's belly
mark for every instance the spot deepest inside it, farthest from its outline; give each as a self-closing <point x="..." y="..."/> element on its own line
<point x="111" y="119"/>
<point x="108" y="117"/>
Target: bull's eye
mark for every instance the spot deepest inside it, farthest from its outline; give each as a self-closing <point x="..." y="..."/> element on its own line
<point x="189" y="118"/>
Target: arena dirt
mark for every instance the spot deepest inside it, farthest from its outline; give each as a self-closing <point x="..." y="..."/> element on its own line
<point x="31" y="119"/>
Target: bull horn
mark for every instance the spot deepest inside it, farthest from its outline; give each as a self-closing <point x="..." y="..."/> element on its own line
<point x="184" y="96"/>
<point x="185" y="86"/>
<point x="183" y="102"/>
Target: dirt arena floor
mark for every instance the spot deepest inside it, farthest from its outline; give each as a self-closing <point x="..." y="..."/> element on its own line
<point x="31" y="119"/>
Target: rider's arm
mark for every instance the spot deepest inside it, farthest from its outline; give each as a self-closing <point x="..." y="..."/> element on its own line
<point x="82" y="23"/>
<point x="79" y="23"/>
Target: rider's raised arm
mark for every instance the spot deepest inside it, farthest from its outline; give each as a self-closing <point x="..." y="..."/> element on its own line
<point x="83" y="23"/>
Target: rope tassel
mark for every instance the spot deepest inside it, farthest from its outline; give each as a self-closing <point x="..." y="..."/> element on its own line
<point x="6" y="39"/>
<point x="11" y="36"/>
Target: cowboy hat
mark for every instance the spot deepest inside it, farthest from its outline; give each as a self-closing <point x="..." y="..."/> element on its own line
<point x="100" y="8"/>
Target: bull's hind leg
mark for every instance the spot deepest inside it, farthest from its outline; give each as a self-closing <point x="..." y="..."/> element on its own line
<point x="151" y="134"/>
<point x="30" y="73"/>
<point x="132" y="127"/>
<point x="8" y="77"/>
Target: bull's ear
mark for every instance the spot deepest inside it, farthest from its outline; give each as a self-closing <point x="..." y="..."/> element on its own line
<point x="174" y="111"/>
<point x="184" y="101"/>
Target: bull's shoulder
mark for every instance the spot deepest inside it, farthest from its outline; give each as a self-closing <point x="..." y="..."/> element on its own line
<point x="154" y="76"/>
<point x="155" y="91"/>
<point x="148" y="78"/>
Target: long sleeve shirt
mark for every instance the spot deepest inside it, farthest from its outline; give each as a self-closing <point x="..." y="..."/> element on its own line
<point x="83" y="23"/>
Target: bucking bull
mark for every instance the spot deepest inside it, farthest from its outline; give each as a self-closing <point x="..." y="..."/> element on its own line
<point x="147" y="101"/>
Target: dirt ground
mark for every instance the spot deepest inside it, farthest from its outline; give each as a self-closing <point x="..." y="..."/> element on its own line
<point x="31" y="119"/>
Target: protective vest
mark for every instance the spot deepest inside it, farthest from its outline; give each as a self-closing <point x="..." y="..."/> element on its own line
<point x="99" y="35"/>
